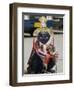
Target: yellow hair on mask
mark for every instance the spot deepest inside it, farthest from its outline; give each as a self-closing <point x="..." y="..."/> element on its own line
<point x="42" y="19"/>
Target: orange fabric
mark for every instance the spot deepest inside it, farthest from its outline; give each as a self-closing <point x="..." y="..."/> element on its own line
<point x="48" y="58"/>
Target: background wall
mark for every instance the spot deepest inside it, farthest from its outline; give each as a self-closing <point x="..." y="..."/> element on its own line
<point x="4" y="45"/>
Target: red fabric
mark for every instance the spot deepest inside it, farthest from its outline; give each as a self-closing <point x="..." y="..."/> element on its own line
<point x="48" y="58"/>
<point x="35" y="45"/>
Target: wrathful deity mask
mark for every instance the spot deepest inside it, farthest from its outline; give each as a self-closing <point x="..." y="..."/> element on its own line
<point x="43" y="37"/>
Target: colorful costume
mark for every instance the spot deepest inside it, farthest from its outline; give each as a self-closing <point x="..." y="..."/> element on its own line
<point x="43" y="48"/>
